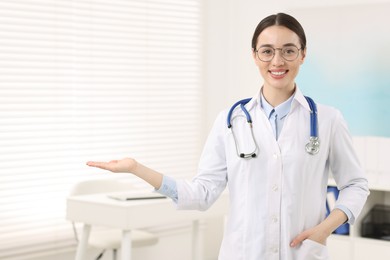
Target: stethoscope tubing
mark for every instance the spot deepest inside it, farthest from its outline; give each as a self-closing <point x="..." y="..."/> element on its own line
<point x="313" y="117"/>
<point x="242" y="104"/>
<point x="312" y="147"/>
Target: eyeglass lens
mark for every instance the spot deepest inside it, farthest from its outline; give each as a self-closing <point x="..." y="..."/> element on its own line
<point x="289" y="53"/>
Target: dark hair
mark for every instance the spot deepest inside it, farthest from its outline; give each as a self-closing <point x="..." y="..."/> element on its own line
<point x="280" y="19"/>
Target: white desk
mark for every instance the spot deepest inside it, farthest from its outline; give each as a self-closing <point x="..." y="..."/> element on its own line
<point x="100" y="210"/>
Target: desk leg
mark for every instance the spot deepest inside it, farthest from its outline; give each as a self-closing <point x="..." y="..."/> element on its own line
<point x="196" y="241"/>
<point x="126" y="245"/>
<point x="83" y="243"/>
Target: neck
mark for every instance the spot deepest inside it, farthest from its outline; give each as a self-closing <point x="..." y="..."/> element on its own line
<point x="275" y="96"/>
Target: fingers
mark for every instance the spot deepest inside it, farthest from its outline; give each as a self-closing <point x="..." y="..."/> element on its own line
<point x="298" y="239"/>
<point x="124" y="165"/>
<point x="101" y="165"/>
<point x="92" y="164"/>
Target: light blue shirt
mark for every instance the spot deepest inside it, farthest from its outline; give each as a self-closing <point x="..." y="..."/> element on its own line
<point x="168" y="188"/>
<point x="276" y="116"/>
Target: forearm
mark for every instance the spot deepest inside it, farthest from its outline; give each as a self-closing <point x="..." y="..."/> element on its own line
<point x="151" y="176"/>
<point x="335" y="219"/>
<point x="323" y="230"/>
<point x="130" y="165"/>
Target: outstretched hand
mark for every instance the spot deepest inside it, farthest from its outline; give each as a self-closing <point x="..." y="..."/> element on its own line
<point x="126" y="165"/>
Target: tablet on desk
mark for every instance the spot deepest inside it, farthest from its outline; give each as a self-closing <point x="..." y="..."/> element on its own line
<point x="136" y="196"/>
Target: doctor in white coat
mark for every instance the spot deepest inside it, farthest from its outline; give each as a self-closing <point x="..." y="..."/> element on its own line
<point x="277" y="196"/>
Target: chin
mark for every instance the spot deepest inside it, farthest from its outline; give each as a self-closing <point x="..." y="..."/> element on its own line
<point x="280" y="85"/>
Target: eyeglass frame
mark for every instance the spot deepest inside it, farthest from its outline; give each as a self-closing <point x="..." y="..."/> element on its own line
<point x="280" y="49"/>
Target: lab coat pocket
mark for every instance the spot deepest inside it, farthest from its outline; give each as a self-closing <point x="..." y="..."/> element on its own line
<point x="311" y="250"/>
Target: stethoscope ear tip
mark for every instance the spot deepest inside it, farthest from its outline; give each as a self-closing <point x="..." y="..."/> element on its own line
<point x="242" y="155"/>
<point x="254" y="155"/>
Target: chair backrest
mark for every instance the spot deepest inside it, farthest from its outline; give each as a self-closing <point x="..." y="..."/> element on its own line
<point x="100" y="186"/>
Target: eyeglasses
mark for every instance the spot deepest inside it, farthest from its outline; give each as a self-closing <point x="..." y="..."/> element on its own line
<point x="267" y="53"/>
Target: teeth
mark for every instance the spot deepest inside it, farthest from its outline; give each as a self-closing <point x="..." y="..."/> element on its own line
<point x="277" y="73"/>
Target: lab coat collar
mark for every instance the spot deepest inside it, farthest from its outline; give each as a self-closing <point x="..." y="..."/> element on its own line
<point x="299" y="99"/>
<point x="255" y="101"/>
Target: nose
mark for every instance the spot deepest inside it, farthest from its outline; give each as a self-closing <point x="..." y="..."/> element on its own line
<point x="278" y="60"/>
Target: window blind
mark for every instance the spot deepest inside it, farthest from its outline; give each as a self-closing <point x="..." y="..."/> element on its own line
<point x="90" y="80"/>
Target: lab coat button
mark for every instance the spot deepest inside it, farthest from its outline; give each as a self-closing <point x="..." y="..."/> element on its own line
<point x="275" y="250"/>
<point x="275" y="156"/>
<point x="274" y="219"/>
<point x="275" y="187"/>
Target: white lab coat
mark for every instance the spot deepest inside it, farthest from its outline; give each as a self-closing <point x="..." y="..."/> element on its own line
<point x="282" y="191"/>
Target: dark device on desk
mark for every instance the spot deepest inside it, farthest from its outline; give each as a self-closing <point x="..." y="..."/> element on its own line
<point x="376" y="224"/>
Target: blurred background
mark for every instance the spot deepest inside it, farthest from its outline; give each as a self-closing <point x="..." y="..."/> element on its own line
<point x="105" y="79"/>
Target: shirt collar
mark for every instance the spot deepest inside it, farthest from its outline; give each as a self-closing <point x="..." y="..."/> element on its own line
<point x="281" y="110"/>
<point x="297" y="99"/>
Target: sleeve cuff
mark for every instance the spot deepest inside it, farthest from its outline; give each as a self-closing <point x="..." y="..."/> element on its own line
<point x="347" y="212"/>
<point x="168" y="188"/>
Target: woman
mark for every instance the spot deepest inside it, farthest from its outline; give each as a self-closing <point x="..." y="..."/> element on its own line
<point x="277" y="190"/>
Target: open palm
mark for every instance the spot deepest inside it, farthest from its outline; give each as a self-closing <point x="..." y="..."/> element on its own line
<point x="125" y="165"/>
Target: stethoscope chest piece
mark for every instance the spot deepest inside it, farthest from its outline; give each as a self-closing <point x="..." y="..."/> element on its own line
<point x="313" y="146"/>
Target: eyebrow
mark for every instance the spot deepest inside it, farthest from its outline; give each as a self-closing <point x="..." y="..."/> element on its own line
<point x="284" y="45"/>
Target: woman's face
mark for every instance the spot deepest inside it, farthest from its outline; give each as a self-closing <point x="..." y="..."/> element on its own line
<point x="279" y="74"/>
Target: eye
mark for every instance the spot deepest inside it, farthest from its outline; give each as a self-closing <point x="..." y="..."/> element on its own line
<point x="266" y="51"/>
<point x="290" y="50"/>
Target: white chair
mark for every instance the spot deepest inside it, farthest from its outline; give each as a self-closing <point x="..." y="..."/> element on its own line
<point x="107" y="238"/>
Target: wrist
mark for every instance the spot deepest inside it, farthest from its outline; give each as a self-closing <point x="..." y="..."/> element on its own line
<point x="130" y="165"/>
<point x="324" y="230"/>
<point x="332" y="222"/>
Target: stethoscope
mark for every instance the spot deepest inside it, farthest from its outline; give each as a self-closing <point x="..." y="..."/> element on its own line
<point x="312" y="147"/>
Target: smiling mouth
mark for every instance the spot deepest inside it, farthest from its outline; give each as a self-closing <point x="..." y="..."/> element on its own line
<point x="278" y="73"/>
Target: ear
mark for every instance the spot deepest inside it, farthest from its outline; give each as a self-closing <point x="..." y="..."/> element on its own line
<point x="254" y="55"/>
<point x="303" y="55"/>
